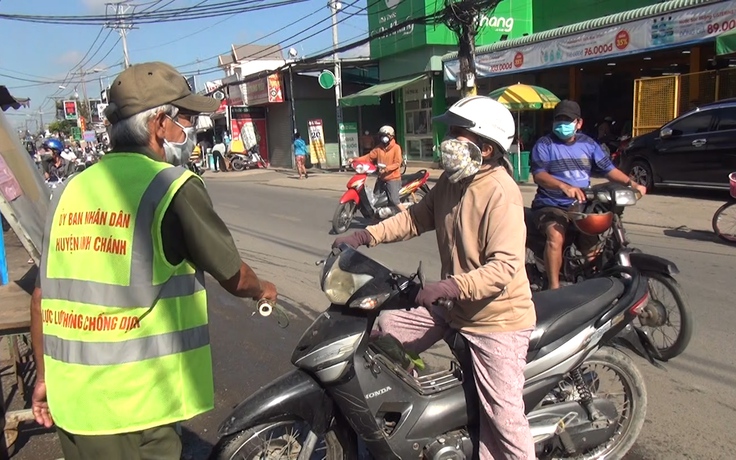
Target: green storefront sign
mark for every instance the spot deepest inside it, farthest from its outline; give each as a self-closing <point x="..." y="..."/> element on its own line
<point x="512" y="18"/>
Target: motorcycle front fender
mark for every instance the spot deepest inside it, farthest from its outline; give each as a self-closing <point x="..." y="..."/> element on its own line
<point x="350" y="195"/>
<point x="649" y="263"/>
<point x="295" y="394"/>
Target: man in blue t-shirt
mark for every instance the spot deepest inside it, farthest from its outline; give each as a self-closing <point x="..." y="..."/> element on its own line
<point x="562" y="163"/>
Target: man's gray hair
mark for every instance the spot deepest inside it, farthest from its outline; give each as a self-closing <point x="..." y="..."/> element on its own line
<point x="133" y="131"/>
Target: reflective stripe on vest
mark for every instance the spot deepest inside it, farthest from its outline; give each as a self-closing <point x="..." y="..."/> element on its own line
<point x="107" y="353"/>
<point x="141" y="292"/>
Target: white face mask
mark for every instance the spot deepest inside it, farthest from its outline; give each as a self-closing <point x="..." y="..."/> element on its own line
<point x="460" y="159"/>
<point x="178" y="153"/>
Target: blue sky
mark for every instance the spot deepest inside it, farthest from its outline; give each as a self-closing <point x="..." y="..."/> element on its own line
<point x="47" y="52"/>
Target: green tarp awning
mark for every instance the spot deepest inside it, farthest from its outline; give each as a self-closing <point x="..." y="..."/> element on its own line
<point x="726" y="43"/>
<point x="372" y="95"/>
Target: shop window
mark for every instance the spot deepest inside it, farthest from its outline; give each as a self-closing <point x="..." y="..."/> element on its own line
<point x="418" y="121"/>
<point x="693" y="124"/>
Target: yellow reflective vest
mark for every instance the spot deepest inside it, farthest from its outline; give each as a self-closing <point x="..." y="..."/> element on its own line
<point x="126" y="344"/>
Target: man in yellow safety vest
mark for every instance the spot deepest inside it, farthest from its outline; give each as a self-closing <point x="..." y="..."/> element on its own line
<point x="119" y="315"/>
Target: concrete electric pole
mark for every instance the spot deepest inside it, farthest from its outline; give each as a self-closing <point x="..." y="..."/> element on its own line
<point x="335" y="6"/>
<point x="119" y="12"/>
<point x="463" y="18"/>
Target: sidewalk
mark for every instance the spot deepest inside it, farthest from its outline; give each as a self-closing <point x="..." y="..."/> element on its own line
<point x="686" y="214"/>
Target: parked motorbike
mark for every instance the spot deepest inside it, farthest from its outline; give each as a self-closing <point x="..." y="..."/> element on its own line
<point x="350" y="384"/>
<point x="657" y="319"/>
<point x="724" y="223"/>
<point x="359" y="197"/>
<point x="248" y="160"/>
<point x="620" y="146"/>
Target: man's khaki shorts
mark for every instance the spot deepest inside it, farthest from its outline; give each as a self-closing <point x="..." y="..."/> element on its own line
<point x="544" y="217"/>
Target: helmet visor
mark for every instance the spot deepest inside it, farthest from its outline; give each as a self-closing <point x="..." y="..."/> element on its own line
<point x="452" y="119"/>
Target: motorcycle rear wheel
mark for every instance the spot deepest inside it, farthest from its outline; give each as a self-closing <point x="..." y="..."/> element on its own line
<point x="283" y="441"/>
<point x="662" y="317"/>
<point x="635" y="404"/>
<point x="343" y="217"/>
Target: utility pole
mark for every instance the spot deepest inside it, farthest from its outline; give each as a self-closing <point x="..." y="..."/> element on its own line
<point x="335" y="6"/>
<point x="119" y="11"/>
<point x="463" y="18"/>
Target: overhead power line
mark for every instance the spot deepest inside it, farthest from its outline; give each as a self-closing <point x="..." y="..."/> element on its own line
<point x="199" y="11"/>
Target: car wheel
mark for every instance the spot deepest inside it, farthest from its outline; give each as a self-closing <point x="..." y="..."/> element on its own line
<point x="641" y="173"/>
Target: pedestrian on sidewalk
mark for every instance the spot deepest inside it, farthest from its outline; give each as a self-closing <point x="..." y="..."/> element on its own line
<point x="300" y="155"/>
<point x="217" y="156"/>
<point x="477" y="212"/>
<point x="119" y="318"/>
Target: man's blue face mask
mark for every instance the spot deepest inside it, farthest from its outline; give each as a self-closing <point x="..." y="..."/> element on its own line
<point x="565" y="130"/>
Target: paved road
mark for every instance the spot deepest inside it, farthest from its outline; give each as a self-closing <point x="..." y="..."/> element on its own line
<point x="281" y="231"/>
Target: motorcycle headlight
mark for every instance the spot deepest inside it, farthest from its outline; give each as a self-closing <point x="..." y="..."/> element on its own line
<point x="625" y="197"/>
<point x="340" y="285"/>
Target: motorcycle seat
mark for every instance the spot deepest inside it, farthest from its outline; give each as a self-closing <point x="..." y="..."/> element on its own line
<point x="561" y="311"/>
<point x="405" y="179"/>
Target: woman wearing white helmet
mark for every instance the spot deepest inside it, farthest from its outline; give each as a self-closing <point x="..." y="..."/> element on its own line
<point x="477" y="212"/>
<point x="388" y="153"/>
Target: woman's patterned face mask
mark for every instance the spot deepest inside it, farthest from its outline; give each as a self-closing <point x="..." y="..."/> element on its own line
<point x="460" y="159"/>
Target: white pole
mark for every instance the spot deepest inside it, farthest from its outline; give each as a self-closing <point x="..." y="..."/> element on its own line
<point x="334" y="5"/>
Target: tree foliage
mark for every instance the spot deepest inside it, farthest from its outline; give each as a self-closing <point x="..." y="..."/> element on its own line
<point x="62" y="126"/>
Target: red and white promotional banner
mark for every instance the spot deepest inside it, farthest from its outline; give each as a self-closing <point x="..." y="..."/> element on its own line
<point x="665" y="31"/>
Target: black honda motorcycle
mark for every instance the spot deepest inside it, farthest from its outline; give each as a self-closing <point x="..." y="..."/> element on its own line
<point x="670" y="327"/>
<point x="352" y="388"/>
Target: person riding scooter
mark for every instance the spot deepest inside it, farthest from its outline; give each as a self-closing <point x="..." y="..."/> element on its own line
<point x="55" y="167"/>
<point x="477" y="211"/>
<point x="387" y="155"/>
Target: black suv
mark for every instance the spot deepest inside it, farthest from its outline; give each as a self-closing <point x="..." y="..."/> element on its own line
<point x="697" y="150"/>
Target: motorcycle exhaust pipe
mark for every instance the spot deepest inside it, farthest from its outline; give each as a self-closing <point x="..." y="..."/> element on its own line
<point x="545" y="431"/>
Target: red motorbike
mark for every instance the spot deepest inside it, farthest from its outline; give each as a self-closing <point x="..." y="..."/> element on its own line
<point x="359" y="197"/>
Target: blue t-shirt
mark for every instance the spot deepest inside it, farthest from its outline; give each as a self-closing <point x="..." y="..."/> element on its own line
<point x="571" y="164"/>
<point x="300" y="147"/>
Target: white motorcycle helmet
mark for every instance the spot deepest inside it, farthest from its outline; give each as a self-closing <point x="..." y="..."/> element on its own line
<point x="387" y="130"/>
<point x="483" y="116"/>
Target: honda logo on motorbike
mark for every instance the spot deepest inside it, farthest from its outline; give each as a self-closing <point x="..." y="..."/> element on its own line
<point x="378" y="393"/>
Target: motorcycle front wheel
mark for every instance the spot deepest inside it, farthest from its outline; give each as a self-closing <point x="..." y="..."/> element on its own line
<point x="343" y="217"/>
<point x="282" y="440"/>
<point x="237" y="165"/>
<point x="668" y="323"/>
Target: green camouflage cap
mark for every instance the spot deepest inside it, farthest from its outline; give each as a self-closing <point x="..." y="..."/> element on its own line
<point x="152" y="84"/>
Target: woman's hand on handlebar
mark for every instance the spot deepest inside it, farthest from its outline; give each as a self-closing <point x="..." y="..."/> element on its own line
<point x="438" y="293"/>
<point x="355" y="239"/>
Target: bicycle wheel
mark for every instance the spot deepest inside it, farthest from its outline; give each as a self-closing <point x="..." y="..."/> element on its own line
<point x="724" y="222"/>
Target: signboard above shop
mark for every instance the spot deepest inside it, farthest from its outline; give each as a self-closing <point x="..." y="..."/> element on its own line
<point x="510" y="19"/>
<point x="265" y="90"/>
<point x="673" y="29"/>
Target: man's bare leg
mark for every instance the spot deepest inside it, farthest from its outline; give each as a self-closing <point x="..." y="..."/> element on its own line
<point x="553" y="253"/>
